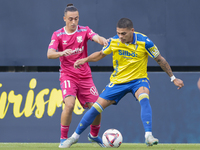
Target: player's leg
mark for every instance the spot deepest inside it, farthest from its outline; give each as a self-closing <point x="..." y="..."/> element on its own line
<point x="88" y="95"/>
<point x="94" y="129"/>
<point x="112" y="94"/>
<point x="66" y="116"/>
<point x="68" y="86"/>
<point x="88" y="119"/>
<point x="142" y="95"/>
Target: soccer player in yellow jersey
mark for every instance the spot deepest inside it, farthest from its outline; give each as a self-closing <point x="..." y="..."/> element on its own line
<point x="130" y="55"/>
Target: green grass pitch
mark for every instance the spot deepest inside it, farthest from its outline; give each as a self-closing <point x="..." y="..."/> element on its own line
<point x="91" y="146"/>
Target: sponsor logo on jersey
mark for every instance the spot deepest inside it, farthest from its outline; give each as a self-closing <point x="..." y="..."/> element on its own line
<point x="77" y="50"/>
<point x="79" y="39"/>
<point x="154" y="50"/>
<point x="64" y="91"/>
<point x="64" y="42"/>
<point x="91" y="32"/>
<point x="148" y="40"/>
<point x="51" y="43"/>
<point x="126" y="53"/>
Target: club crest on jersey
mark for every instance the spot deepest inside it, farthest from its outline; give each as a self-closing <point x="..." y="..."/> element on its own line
<point x="79" y="39"/>
<point x="94" y="91"/>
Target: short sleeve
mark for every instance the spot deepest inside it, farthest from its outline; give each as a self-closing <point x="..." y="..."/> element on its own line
<point x="107" y="49"/>
<point x="151" y="48"/>
<point x="90" y="33"/>
<point x="54" y="42"/>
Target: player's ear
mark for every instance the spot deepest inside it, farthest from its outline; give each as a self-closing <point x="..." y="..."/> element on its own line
<point x="132" y="30"/>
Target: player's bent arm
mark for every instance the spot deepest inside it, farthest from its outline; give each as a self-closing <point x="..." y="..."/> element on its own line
<point x="99" y="39"/>
<point x="96" y="56"/>
<point x="166" y="67"/>
<point x="53" y="54"/>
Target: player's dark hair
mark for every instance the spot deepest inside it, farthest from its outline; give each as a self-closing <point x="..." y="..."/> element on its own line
<point x="125" y="23"/>
<point x="70" y="7"/>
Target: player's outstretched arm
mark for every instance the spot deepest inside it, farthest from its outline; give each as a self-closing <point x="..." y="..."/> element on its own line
<point x="99" y="39"/>
<point x="53" y="54"/>
<point x="166" y="67"/>
<point x="96" y="56"/>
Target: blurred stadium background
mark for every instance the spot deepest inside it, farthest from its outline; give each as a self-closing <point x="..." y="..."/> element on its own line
<point x="28" y="77"/>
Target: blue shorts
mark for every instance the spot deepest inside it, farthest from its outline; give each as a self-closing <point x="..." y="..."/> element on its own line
<point x="117" y="91"/>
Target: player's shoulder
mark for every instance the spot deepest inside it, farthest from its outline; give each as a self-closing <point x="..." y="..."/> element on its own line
<point x="83" y="28"/>
<point x="114" y="38"/>
<point x="59" y="32"/>
<point x="142" y="38"/>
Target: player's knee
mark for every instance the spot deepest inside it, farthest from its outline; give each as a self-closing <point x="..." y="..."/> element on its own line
<point x="143" y="96"/>
<point x="69" y="106"/>
<point x="98" y="107"/>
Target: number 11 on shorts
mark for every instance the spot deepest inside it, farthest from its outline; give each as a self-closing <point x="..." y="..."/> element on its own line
<point x="67" y="83"/>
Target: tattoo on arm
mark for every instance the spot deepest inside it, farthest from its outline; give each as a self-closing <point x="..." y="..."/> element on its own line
<point x="165" y="66"/>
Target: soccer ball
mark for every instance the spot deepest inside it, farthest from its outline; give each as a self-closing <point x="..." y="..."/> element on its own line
<point x="112" y="138"/>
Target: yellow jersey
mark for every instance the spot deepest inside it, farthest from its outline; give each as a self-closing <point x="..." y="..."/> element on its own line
<point x="130" y="59"/>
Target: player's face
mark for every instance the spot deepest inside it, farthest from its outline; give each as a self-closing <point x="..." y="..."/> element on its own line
<point x="71" y="19"/>
<point x="125" y="34"/>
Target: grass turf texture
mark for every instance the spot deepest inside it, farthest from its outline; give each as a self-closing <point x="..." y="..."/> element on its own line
<point x="92" y="146"/>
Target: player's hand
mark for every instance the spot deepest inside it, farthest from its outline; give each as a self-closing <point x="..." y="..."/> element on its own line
<point x="198" y="84"/>
<point x="105" y="41"/>
<point x="79" y="62"/>
<point x="108" y="39"/>
<point x="66" y="52"/>
<point x="179" y="83"/>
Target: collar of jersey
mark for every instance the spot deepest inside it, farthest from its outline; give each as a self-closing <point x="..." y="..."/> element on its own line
<point x="72" y="32"/>
<point x="134" y="39"/>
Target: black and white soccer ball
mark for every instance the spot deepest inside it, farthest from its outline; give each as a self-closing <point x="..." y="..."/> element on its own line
<point x="112" y="138"/>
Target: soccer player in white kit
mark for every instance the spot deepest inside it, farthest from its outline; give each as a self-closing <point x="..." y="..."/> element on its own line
<point x="70" y="44"/>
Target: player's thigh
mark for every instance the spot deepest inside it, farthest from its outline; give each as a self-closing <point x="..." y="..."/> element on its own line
<point x="69" y="86"/>
<point x="104" y="103"/>
<point x="140" y="86"/>
<point x="114" y="92"/>
<point x="87" y="92"/>
<point x="141" y="90"/>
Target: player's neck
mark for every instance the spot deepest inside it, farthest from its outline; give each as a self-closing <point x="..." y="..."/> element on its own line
<point x="68" y="31"/>
<point x="130" y="41"/>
